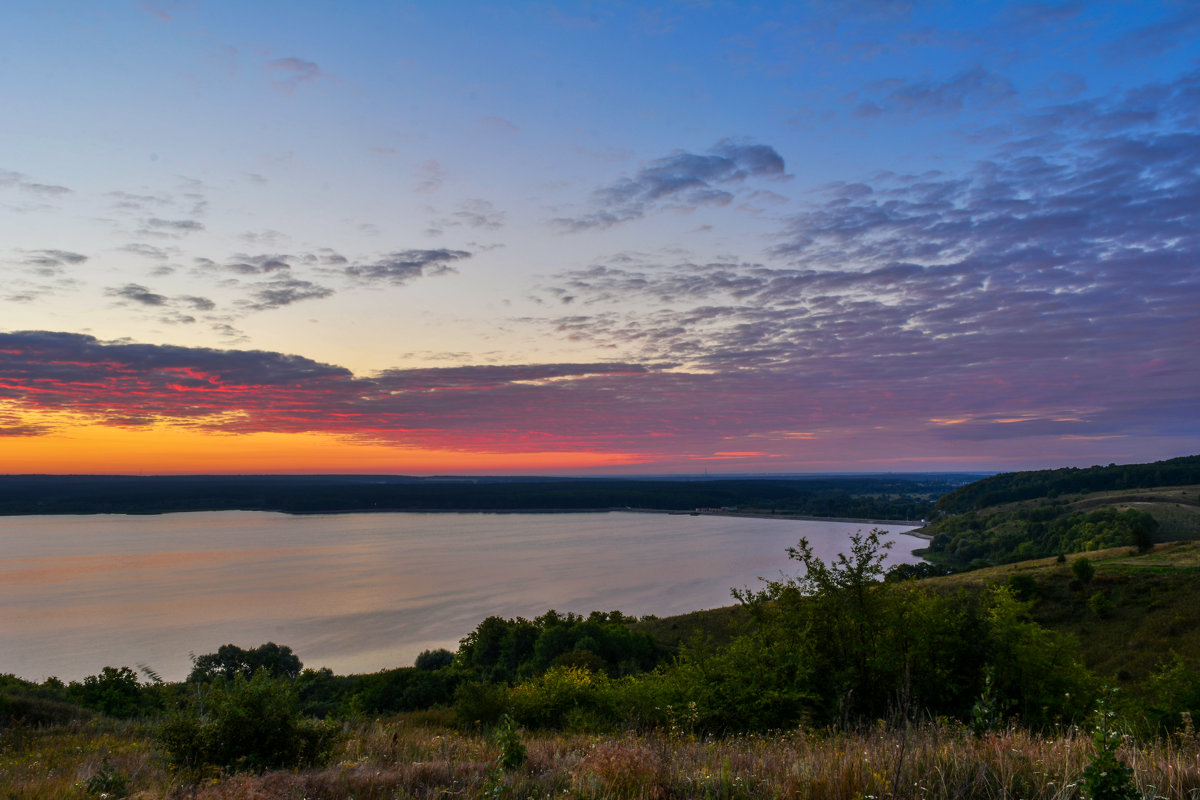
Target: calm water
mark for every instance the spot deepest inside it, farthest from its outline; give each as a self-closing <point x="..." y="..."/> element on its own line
<point x="355" y="592"/>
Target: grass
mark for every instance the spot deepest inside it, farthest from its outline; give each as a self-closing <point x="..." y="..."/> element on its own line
<point x="403" y="758"/>
<point x="57" y="762"/>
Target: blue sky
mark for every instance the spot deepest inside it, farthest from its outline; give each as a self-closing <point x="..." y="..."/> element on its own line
<point x="600" y="236"/>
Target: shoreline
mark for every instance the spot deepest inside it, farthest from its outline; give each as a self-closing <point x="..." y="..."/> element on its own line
<point x="915" y="524"/>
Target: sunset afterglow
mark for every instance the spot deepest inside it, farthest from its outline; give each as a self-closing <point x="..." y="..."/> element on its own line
<point x="580" y="238"/>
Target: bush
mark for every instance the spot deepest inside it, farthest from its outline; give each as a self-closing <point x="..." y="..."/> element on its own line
<point x="1083" y="569"/>
<point x="1175" y="695"/>
<point x="1107" y="777"/>
<point x="1101" y="605"/>
<point x="249" y="724"/>
<point x="562" y="697"/>
<point x="479" y="703"/>
<point x="1023" y="586"/>
<point x="508" y="742"/>
<point x="25" y="709"/>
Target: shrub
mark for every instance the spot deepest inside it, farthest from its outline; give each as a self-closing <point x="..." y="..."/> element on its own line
<point x="561" y="697"/>
<point x="250" y="724"/>
<point x="479" y="703"/>
<point x="1175" y="694"/>
<point x="1101" y="605"/>
<point x="1022" y="585"/>
<point x="107" y="783"/>
<point x="26" y="709"/>
<point x="1107" y="777"/>
<point x="512" y="749"/>
<point x="1082" y="569"/>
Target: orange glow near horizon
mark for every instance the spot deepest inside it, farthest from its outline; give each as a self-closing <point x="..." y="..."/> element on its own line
<point x="166" y="450"/>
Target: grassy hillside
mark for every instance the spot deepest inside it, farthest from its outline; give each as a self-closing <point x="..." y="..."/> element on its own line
<point x="1150" y="611"/>
<point x="1008" y="487"/>
<point x="1019" y="516"/>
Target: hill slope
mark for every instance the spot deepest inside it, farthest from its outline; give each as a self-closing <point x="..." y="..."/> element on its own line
<point x="1018" y="516"/>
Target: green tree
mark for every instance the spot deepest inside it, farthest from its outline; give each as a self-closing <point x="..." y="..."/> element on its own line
<point x="1083" y="570"/>
<point x="230" y="661"/>
<point x="1037" y="671"/>
<point x="114" y="692"/>
<point x="434" y="659"/>
<point x="838" y="613"/>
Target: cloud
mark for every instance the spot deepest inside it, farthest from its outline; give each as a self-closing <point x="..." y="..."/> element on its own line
<point x="293" y="72"/>
<point x="49" y="190"/>
<point x="198" y="303"/>
<point x="284" y="291"/>
<point x="146" y="251"/>
<point x="292" y="277"/>
<point x="180" y="226"/>
<point x="137" y="294"/>
<point x="430" y="176"/>
<point x="686" y="179"/>
<point x="49" y="262"/>
<point x="1159" y="37"/>
<point x="498" y="125"/>
<point x="262" y="264"/>
<point x="22" y="182"/>
<point x="475" y="213"/>
<point x="973" y="88"/>
<point x="1053" y="284"/>
<point x="820" y="404"/>
<point x="512" y="408"/>
<point x="163" y="10"/>
<point x="405" y="266"/>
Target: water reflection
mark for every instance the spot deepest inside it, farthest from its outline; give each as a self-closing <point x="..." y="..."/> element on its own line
<point x="355" y="592"/>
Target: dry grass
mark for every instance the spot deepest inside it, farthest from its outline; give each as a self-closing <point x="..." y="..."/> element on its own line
<point x="54" y="763"/>
<point x="402" y="760"/>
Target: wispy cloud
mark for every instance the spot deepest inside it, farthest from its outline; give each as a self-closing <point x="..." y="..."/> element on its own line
<point x="406" y="265"/>
<point x="51" y="262"/>
<point x="284" y="291"/>
<point x="684" y="179"/>
<point x="138" y="294"/>
<point x="976" y="87"/>
<point x="170" y="227"/>
<point x="291" y="73"/>
<point x="22" y="182"/>
<point x="475" y="213"/>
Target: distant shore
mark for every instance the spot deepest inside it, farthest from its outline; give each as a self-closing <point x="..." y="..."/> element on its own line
<point x="918" y="524"/>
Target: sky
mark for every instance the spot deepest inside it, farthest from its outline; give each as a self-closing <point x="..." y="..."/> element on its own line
<point x="597" y="238"/>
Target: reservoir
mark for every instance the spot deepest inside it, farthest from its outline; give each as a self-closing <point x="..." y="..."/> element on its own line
<point x="358" y="592"/>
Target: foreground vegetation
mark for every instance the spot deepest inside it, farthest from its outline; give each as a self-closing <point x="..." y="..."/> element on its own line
<point x="423" y="756"/>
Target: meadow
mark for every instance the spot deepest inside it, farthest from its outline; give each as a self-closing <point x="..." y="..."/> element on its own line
<point x="421" y="755"/>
